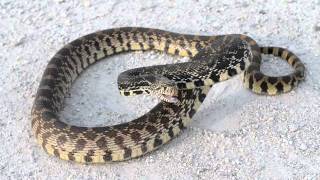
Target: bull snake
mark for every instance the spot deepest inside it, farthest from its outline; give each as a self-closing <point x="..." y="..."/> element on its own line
<point x="182" y="87"/>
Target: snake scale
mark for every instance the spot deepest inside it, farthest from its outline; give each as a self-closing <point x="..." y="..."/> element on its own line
<point x="182" y="87"/>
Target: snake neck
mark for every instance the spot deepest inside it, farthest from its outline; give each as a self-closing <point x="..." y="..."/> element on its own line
<point x="224" y="57"/>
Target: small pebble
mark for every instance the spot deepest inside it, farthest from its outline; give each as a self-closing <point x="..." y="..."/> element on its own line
<point x="303" y="147"/>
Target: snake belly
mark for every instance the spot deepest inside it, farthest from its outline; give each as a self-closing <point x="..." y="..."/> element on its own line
<point x="213" y="59"/>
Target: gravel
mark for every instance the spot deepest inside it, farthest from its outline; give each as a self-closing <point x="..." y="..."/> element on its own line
<point x="235" y="135"/>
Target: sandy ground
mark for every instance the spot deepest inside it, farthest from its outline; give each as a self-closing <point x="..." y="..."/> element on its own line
<point x="235" y="135"/>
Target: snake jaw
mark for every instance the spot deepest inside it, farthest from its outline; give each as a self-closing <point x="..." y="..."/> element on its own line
<point x="170" y="99"/>
<point x="167" y="94"/>
<point x="167" y="98"/>
<point x="164" y="89"/>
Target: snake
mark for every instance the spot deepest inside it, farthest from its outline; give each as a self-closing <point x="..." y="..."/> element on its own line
<point x="181" y="87"/>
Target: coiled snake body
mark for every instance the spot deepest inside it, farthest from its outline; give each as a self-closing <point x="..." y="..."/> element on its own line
<point x="182" y="88"/>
